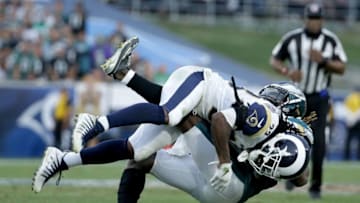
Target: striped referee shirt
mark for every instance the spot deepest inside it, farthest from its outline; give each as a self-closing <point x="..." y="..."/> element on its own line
<point x="295" y="47"/>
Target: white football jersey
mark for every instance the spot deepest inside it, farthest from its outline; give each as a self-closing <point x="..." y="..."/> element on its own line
<point x="218" y="95"/>
<point x="210" y="93"/>
<point x="263" y="117"/>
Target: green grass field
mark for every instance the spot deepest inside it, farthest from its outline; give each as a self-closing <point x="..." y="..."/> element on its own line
<point x="342" y="184"/>
<point x="342" y="179"/>
<point x="250" y="47"/>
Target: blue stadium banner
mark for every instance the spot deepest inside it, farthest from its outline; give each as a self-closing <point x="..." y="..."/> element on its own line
<point x="27" y="120"/>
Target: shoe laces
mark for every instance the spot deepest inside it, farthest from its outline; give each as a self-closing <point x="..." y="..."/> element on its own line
<point x="59" y="178"/>
<point x="86" y="124"/>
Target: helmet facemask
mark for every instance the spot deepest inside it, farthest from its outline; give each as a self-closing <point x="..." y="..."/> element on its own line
<point x="284" y="156"/>
<point x="266" y="161"/>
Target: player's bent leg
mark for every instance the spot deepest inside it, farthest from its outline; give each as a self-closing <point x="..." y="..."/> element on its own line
<point x="131" y="185"/>
<point x="89" y="126"/>
<point x="201" y="149"/>
<point x="55" y="160"/>
<point x="149" y="138"/>
<point x="107" y="152"/>
<point x="182" y="92"/>
<point x="147" y="89"/>
<point x="51" y="164"/>
<point x="181" y="172"/>
<point x="133" y="180"/>
<point x="203" y="153"/>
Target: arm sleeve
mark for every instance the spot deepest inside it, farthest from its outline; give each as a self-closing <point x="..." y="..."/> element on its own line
<point x="147" y="89"/>
<point x="280" y="50"/>
<point x="339" y="52"/>
<point x="235" y="116"/>
<point x="230" y="116"/>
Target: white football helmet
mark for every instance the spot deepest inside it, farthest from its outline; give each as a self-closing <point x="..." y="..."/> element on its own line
<point x="287" y="96"/>
<point x="285" y="156"/>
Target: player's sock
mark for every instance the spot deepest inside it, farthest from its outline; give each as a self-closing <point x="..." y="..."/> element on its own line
<point x="136" y="114"/>
<point x="150" y="91"/>
<point x="106" y="152"/>
<point x="131" y="185"/>
<point x="72" y="159"/>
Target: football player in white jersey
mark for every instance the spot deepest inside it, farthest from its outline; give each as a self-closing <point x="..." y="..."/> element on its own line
<point x="178" y="98"/>
<point x="192" y="169"/>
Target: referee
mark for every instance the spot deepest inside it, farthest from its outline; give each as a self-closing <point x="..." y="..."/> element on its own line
<point x="313" y="54"/>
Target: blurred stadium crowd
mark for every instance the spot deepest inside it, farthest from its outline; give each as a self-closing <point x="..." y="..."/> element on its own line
<point x="40" y="41"/>
<point x="43" y="42"/>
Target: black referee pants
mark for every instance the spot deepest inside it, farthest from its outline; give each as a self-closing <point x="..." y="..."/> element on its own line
<point x="320" y="104"/>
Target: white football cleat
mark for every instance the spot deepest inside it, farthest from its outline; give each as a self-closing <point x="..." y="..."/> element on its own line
<point x="120" y="60"/>
<point x="50" y="166"/>
<point x="84" y="122"/>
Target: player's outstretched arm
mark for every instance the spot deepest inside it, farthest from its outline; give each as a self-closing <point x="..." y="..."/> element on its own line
<point x="221" y="131"/>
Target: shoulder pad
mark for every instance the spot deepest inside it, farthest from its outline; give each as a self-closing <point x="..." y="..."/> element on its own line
<point x="257" y="120"/>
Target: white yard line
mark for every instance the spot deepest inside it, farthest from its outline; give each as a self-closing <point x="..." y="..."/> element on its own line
<point x="343" y="189"/>
<point x="81" y="182"/>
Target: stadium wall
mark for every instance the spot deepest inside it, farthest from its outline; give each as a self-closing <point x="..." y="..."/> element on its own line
<point x="27" y="115"/>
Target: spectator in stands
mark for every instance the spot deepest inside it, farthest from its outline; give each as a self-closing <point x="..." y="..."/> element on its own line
<point x="83" y="55"/>
<point x="118" y="36"/>
<point x="22" y="62"/>
<point x="47" y="43"/>
<point x="5" y="51"/>
<point x="101" y="51"/>
<point x="29" y="33"/>
<point x="2" y="11"/>
<point x="55" y="17"/>
<point x="77" y="19"/>
<point x="50" y="44"/>
<point x="15" y="11"/>
<point x="60" y="16"/>
<point x="141" y="66"/>
<point x="59" y="67"/>
<point x="119" y="32"/>
<point x="89" y="98"/>
<point x="352" y="103"/>
<point x="3" y="54"/>
<point x="161" y="75"/>
<point x="62" y="115"/>
<point x="38" y="69"/>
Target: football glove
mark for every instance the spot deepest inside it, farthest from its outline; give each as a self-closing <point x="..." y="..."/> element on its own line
<point x="222" y="177"/>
